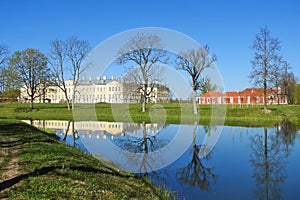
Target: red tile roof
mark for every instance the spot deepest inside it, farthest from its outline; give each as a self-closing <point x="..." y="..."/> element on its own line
<point x="212" y="94"/>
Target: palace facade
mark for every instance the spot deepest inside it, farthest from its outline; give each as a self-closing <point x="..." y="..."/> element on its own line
<point x="99" y="90"/>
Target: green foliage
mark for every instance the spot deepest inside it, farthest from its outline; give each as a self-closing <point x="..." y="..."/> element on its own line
<point x="296" y="94"/>
<point x="10" y="94"/>
<point x="32" y="71"/>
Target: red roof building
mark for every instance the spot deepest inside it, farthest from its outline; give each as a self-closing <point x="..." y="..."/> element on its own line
<point x="247" y="96"/>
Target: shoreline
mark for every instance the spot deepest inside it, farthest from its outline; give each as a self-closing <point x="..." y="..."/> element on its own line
<point x="36" y="165"/>
<point x="172" y="113"/>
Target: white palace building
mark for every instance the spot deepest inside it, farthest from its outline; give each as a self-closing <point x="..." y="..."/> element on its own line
<point x="99" y="90"/>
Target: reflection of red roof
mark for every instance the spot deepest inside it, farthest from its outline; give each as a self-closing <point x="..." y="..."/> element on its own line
<point x="212" y="94"/>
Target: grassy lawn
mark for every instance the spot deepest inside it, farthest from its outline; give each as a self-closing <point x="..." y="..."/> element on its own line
<point x="159" y="113"/>
<point x="35" y="165"/>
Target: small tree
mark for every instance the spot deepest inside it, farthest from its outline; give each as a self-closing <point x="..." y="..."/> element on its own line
<point x="194" y="62"/>
<point x="207" y="86"/>
<point x="146" y="52"/>
<point x="288" y="83"/>
<point x="265" y="60"/>
<point x="31" y="66"/>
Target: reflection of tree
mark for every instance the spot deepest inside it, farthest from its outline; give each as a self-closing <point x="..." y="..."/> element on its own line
<point x="142" y="145"/>
<point x="287" y="132"/>
<point x="195" y="174"/>
<point x="269" y="158"/>
<point x="74" y="133"/>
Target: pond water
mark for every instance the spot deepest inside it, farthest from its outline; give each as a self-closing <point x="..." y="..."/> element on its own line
<point x="245" y="163"/>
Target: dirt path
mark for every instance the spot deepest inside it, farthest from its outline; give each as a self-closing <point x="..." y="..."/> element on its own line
<point x="9" y="160"/>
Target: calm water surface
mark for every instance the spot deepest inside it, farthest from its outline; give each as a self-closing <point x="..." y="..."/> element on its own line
<point x="246" y="163"/>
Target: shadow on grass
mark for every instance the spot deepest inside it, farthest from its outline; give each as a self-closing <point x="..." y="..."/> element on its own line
<point x="26" y="133"/>
<point x="45" y="170"/>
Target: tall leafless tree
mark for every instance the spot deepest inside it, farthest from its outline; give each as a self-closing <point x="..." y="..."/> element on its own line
<point x="3" y="61"/>
<point x="194" y="62"/>
<point x="57" y="59"/>
<point x="265" y="60"/>
<point x="145" y="53"/>
<point x="32" y="68"/>
<point x="68" y="56"/>
<point x="76" y="51"/>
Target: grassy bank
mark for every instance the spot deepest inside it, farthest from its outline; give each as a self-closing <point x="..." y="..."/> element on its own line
<point x="251" y="115"/>
<point x="35" y="165"/>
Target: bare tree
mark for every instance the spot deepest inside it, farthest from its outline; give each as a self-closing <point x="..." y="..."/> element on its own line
<point x="32" y="67"/>
<point x="288" y="83"/>
<point x="3" y="61"/>
<point x="76" y="51"/>
<point x="194" y="62"/>
<point x="276" y="75"/>
<point x="265" y="60"/>
<point x="57" y="59"/>
<point x="145" y="52"/>
<point x="68" y="56"/>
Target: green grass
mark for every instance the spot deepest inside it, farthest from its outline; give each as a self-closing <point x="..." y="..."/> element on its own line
<point x="159" y="113"/>
<point x="48" y="169"/>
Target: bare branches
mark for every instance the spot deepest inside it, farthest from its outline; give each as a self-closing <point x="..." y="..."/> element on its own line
<point x="68" y="55"/>
<point x="266" y="60"/>
<point x="76" y="51"/>
<point x="194" y="62"/>
<point x="3" y="60"/>
<point x="144" y="53"/>
<point x="3" y="55"/>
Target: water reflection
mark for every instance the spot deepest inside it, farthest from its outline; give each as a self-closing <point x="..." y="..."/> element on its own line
<point x="144" y="139"/>
<point x="141" y="141"/>
<point x="262" y="164"/>
<point x="195" y="173"/>
<point x="270" y="152"/>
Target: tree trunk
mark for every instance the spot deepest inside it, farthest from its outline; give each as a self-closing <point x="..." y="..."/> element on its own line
<point x="265" y="95"/>
<point x="73" y="96"/>
<point x="194" y="103"/>
<point x="31" y="104"/>
<point x="68" y="104"/>
<point x="144" y="104"/>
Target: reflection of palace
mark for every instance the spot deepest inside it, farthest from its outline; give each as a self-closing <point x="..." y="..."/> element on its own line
<point x="106" y="90"/>
<point x="113" y="128"/>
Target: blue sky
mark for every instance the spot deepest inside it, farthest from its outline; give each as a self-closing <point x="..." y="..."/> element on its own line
<point x="228" y="27"/>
